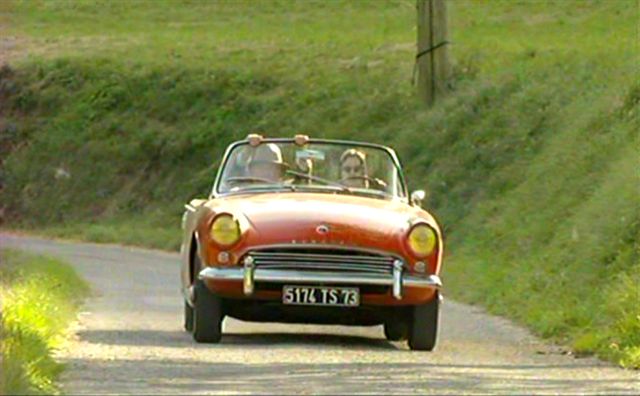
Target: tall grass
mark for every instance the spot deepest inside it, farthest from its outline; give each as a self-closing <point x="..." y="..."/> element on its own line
<point x="40" y="297"/>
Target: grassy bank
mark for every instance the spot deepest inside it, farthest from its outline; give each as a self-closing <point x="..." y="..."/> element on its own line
<point x="115" y="121"/>
<point x="40" y="297"/>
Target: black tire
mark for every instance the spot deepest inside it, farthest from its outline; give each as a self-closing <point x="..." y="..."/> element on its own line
<point x="188" y="317"/>
<point x="423" y="333"/>
<point x="207" y="315"/>
<point x="395" y="331"/>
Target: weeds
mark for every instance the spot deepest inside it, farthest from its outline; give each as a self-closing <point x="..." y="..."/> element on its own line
<point x="40" y="296"/>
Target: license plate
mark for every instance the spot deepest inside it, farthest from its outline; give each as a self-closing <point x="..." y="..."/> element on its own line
<point x="319" y="295"/>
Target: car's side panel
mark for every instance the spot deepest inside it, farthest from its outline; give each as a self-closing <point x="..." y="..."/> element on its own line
<point x="191" y="219"/>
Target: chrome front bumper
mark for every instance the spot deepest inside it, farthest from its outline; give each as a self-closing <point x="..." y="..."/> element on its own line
<point x="249" y="275"/>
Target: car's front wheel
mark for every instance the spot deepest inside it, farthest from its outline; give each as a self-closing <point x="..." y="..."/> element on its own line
<point x="207" y="315"/>
<point x="423" y="333"/>
<point x="395" y="331"/>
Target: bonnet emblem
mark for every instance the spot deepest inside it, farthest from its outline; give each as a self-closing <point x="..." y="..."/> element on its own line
<point x="322" y="229"/>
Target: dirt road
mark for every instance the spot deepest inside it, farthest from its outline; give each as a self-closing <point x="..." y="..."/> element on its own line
<point x="130" y="340"/>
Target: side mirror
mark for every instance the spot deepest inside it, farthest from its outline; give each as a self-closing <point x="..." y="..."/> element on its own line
<point x="194" y="203"/>
<point x="417" y="197"/>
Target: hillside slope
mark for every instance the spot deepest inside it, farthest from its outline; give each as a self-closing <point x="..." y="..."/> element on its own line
<point x="531" y="164"/>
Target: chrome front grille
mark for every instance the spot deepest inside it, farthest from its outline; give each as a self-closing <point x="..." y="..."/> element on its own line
<point x="323" y="260"/>
<point x="320" y="266"/>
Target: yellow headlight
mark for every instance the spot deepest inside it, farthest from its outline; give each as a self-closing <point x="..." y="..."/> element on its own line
<point x="225" y="230"/>
<point x="422" y="240"/>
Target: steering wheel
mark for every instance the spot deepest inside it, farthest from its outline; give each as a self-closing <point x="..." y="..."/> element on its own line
<point x="378" y="182"/>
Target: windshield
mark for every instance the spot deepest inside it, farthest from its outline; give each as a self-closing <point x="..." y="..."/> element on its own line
<point x="324" y="167"/>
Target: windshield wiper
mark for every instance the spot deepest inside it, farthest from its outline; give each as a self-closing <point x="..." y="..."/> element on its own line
<point x="270" y="184"/>
<point x="342" y="187"/>
<point x="270" y="187"/>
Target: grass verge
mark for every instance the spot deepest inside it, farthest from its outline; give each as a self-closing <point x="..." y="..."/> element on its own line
<point x="40" y="296"/>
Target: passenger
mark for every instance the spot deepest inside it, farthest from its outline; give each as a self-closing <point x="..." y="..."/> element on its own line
<point x="353" y="169"/>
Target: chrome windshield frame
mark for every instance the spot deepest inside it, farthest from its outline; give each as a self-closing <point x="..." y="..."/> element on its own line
<point x="392" y="154"/>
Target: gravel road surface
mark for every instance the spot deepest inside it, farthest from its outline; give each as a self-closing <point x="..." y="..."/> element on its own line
<point x="130" y="340"/>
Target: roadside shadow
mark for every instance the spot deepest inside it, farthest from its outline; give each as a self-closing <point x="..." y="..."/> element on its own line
<point x="180" y="339"/>
<point x="255" y="339"/>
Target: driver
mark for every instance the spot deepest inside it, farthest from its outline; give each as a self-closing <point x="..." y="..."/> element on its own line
<point x="265" y="162"/>
<point x="353" y="169"/>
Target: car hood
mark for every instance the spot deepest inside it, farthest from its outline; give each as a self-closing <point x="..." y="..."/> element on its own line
<point x="308" y="218"/>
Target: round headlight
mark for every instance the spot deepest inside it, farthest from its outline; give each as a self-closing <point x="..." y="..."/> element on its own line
<point x="422" y="240"/>
<point x="225" y="230"/>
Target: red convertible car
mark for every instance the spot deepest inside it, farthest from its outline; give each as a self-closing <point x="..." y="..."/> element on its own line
<point x="307" y="230"/>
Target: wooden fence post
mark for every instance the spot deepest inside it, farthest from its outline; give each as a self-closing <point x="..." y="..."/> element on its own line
<point x="432" y="59"/>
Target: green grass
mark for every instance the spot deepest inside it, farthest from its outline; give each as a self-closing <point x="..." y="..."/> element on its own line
<point x="121" y="232"/>
<point x="40" y="297"/>
<point x="530" y="162"/>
